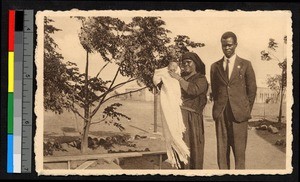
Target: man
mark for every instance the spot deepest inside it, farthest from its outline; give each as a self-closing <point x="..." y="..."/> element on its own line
<point x="234" y="88"/>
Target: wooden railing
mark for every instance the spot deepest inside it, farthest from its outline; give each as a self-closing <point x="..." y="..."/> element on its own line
<point x="92" y="158"/>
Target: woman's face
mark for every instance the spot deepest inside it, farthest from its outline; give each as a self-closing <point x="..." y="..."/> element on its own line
<point x="188" y="66"/>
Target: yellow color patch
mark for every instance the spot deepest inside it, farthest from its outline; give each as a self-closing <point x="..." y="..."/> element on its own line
<point x="11" y="60"/>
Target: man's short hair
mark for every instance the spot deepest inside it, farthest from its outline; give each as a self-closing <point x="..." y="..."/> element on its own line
<point x="227" y="35"/>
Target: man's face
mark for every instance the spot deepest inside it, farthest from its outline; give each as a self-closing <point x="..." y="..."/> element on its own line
<point x="228" y="46"/>
<point x="188" y="66"/>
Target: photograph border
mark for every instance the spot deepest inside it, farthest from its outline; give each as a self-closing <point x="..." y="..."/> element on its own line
<point x="39" y="5"/>
<point x="185" y="13"/>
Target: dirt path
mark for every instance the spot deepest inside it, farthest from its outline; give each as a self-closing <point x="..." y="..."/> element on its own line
<point x="260" y="154"/>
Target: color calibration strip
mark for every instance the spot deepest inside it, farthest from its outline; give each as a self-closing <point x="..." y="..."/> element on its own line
<point x="20" y="74"/>
<point x="10" y="104"/>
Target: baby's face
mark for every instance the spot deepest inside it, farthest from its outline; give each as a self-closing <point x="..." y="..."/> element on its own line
<point x="172" y="66"/>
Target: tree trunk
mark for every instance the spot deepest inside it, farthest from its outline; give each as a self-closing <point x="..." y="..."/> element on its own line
<point x="280" y="107"/>
<point x="281" y="98"/>
<point x="86" y="128"/>
<point x="277" y="96"/>
<point x="87" y="123"/>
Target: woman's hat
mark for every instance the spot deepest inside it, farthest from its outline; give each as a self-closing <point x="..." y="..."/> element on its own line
<point x="200" y="66"/>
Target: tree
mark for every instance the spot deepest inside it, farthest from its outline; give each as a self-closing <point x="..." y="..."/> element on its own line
<point x="55" y="71"/>
<point x="274" y="83"/>
<point x="100" y="35"/>
<point x="137" y="48"/>
<point x="281" y="80"/>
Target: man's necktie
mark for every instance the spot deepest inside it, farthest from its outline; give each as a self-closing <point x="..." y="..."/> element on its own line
<point x="227" y="68"/>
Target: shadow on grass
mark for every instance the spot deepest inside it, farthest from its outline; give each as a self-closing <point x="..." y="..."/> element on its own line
<point x="107" y="133"/>
<point x="268" y="136"/>
<point x="69" y="132"/>
<point x="68" y="129"/>
<point x="145" y="162"/>
<point x="61" y="139"/>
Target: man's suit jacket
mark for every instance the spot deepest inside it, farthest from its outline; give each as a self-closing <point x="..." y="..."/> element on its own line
<point x="240" y="89"/>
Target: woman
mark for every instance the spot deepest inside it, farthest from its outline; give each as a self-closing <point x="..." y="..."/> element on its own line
<point x="194" y="87"/>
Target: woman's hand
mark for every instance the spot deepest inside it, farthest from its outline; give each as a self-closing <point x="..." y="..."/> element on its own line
<point x="175" y="75"/>
<point x="183" y="83"/>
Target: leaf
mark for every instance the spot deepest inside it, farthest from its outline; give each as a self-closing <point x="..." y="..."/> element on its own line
<point x="265" y="55"/>
<point x="56" y="73"/>
<point x="272" y="44"/>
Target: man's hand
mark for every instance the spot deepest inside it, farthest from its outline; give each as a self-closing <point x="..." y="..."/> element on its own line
<point x="175" y="75"/>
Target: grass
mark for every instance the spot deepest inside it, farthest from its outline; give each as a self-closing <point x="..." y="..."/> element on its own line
<point x="141" y="114"/>
<point x="267" y="114"/>
<point x="260" y="111"/>
<point x="268" y="111"/>
<point x="142" y="122"/>
<point x="268" y="136"/>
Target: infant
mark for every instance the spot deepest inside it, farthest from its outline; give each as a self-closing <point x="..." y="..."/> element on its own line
<point x="172" y="123"/>
<point x="173" y="66"/>
<point x="164" y="81"/>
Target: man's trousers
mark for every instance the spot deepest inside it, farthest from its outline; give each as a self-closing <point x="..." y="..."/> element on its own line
<point x="231" y="134"/>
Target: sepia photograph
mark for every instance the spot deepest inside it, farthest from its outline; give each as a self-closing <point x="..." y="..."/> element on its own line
<point x="193" y="93"/>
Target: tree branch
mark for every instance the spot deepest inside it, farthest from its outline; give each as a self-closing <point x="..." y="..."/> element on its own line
<point x="73" y="93"/>
<point x="123" y="83"/>
<point x="96" y="122"/>
<point x="276" y="58"/>
<point x="73" y="102"/>
<point x="113" y="88"/>
<point x="123" y="94"/>
<point x="102" y="69"/>
<point x="115" y="77"/>
<point x="75" y="111"/>
<point x="104" y="95"/>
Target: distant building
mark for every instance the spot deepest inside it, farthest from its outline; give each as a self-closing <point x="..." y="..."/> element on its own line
<point x="130" y="88"/>
<point x="142" y="95"/>
<point x="265" y="94"/>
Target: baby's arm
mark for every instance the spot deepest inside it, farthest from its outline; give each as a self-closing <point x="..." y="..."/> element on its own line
<point x="157" y="77"/>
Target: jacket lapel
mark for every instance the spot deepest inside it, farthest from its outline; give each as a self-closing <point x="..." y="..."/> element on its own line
<point x="221" y="70"/>
<point x="235" y="69"/>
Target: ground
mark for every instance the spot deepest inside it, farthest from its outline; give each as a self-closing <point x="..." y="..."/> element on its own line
<point x="262" y="153"/>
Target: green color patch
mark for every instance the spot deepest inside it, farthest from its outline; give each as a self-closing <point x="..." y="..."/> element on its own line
<point x="10" y="113"/>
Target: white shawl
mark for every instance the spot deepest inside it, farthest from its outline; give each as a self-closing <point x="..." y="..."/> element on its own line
<point x="172" y="123"/>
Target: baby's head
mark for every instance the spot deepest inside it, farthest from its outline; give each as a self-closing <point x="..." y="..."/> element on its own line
<point x="173" y="66"/>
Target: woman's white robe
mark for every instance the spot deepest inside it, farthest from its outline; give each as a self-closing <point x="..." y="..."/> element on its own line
<point x="172" y="123"/>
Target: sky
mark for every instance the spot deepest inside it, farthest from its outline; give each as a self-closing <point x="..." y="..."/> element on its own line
<point x="253" y="31"/>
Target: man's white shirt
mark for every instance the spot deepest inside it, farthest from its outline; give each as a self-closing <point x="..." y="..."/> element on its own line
<point x="230" y="64"/>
